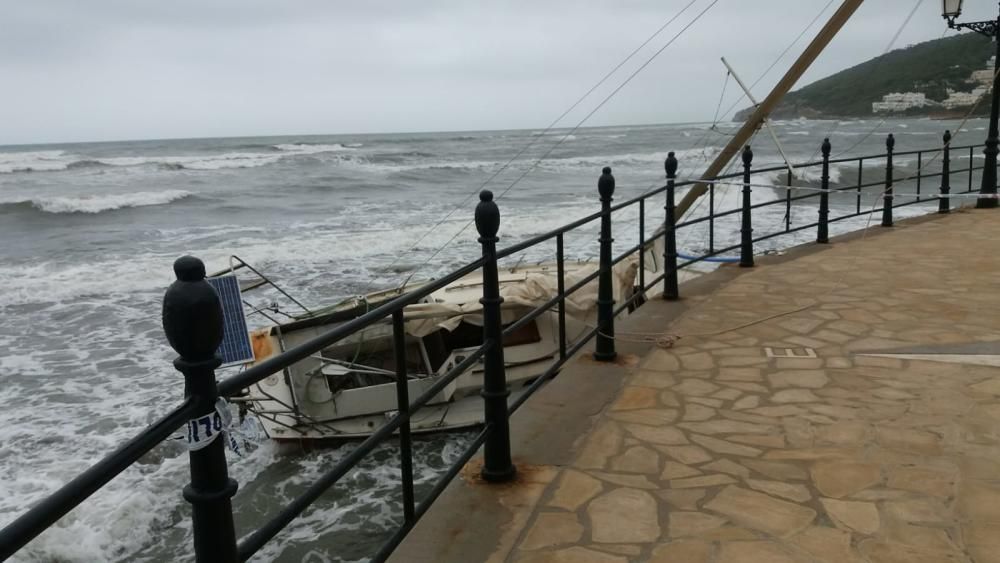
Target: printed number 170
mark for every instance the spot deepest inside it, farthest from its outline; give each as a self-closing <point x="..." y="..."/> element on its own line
<point x="210" y="422"/>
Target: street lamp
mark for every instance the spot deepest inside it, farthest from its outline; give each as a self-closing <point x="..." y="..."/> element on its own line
<point x="951" y="9"/>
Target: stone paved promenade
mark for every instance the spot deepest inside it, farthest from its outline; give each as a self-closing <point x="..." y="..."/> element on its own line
<point x="813" y="436"/>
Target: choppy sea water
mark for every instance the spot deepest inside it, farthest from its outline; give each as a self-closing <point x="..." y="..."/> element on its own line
<point x="90" y="232"/>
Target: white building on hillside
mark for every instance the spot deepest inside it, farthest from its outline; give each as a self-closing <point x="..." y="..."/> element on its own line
<point x="898" y="102"/>
<point x="901" y="101"/>
<point x="963" y="99"/>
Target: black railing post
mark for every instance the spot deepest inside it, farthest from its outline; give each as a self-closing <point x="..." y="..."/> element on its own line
<point x="671" y="291"/>
<point x="561" y="288"/>
<point x="497" y="464"/>
<point x="746" y="227"/>
<point x="403" y="405"/>
<point x="605" y="347"/>
<point x="944" y="204"/>
<point x="192" y="320"/>
<point x="890" y="142"/>
<point x="822" y="231"/>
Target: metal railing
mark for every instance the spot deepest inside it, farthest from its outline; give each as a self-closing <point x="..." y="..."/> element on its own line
<point x="192" y="320"/>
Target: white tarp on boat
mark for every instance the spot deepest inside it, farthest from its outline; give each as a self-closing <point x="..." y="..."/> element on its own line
<point x="536" y="288"/>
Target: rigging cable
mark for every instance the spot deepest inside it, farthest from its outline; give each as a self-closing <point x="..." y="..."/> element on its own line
<point x="892" y="43"/>
<point x="777" y="60"/>
<point x="578" y="125"/>
<point x="538" y="137"/>
<point x="722" y="96"/>
<point x="702" y="143"/>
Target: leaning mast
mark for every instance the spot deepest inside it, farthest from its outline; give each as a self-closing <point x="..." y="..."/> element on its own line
<point x="792" y="76"/>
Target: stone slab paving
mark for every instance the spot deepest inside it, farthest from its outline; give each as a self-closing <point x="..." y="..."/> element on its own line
<point x="773" y="438"/>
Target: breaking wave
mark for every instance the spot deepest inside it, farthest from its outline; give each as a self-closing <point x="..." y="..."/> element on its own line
<point x="41" y="161"/>
<point x="303" y="148"/>
<point x="93" y="204"/>
<point x="57" y="160"/>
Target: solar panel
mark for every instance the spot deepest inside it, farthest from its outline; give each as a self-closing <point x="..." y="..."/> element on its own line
<point x="235" y="348"/>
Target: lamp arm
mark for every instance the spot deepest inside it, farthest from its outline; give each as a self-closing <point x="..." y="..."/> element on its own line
<point x="987" y="28"/>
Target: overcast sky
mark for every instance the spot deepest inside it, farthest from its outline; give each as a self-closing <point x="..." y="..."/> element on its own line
<point x="127" y="69"/>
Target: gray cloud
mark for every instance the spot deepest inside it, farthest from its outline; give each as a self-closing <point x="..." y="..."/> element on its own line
<point x="120" y="69"/>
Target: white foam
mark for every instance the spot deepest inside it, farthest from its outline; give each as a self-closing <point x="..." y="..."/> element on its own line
<point x="554" y="133"/>
<point x="33" y="161"/>
<point x="208" y="162"/>
<point x="50" y="161"/>
<point x="814" y="174"/>
<point x="653" y="160"/>
<point x="303" y="148"/>
<point x="103" y="202"/>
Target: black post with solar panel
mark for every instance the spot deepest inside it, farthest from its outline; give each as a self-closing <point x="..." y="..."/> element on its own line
<point x="194" y="325"/>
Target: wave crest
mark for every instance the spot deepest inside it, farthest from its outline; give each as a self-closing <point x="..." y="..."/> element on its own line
<point x="93" y="204"/>
<point x="304" y="148"/>
<point x="57" y="160"/>
<point x="32" y="161"/>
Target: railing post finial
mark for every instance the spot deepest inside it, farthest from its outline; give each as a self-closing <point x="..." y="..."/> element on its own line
<point x="746" y="225"/>
<point x="605" y="347"/>
<point x="192" y="321"/>
<point x="671" y="289"/>
<point x="487" y="215"/>
<point x="497" y="464"/>
<point x="944" y="203"/>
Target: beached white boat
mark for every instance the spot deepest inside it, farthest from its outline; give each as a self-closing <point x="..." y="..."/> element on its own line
<point x="349" y="389"/>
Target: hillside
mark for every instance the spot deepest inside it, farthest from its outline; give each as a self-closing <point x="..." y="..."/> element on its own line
<point x="929" y="68"/>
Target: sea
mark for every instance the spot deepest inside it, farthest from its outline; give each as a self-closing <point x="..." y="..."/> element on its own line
<point x="90" y="232"/>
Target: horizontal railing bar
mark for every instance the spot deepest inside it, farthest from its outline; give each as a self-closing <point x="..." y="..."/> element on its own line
<point x="534" y="241"/>
<point x="546" y="375"/>
<point x="784" y="232"/>
<point x="883" y="155"/>
<point x="551" y="371"/>
<point x="538" y="239"/>
<point x="853" y="215"/>
<point x="932" y="198"/>
<point x="627" y="303"/>
<point x="450" y="376"/>
<point x="701" y="258"/>
<point x="256" y="540"/>
<point x="53" y="507"/>
<point x="537" y="311"/>
<point x="656" y="281"/>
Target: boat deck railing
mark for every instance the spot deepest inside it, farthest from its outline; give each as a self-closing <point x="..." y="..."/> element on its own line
<point x="192" y="318"/>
